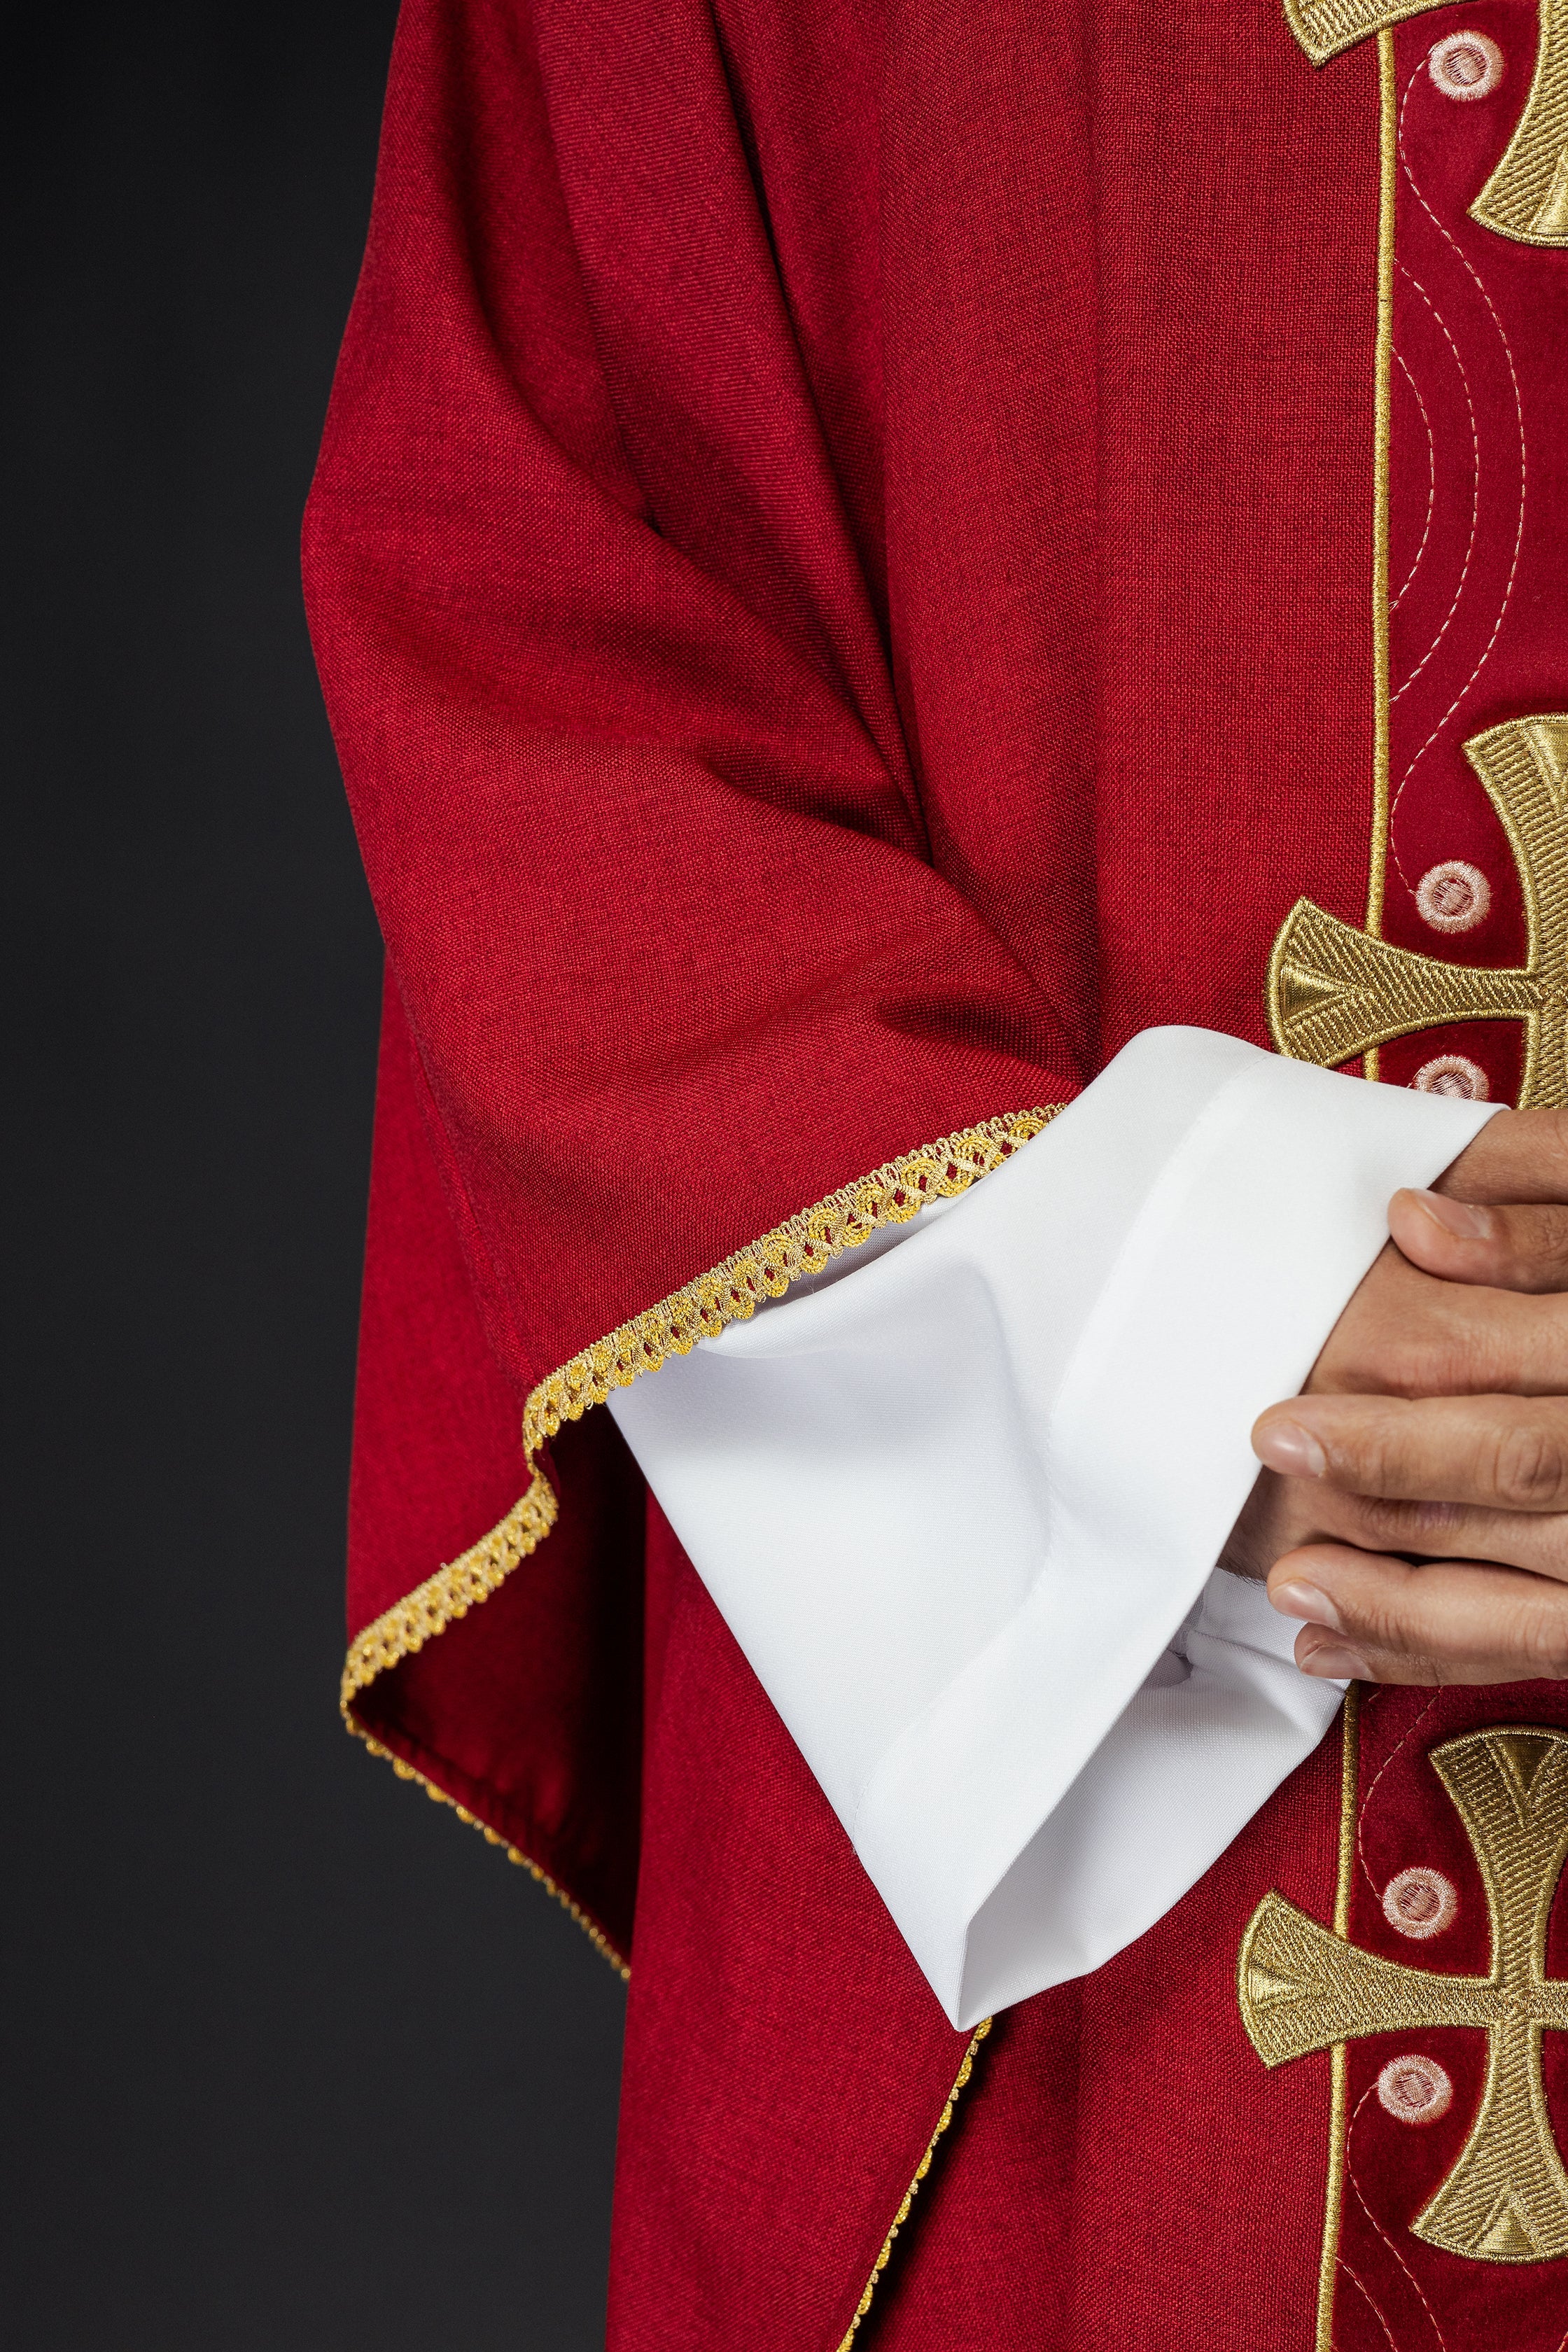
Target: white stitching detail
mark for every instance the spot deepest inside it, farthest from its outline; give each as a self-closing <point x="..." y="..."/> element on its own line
<point x="1431" y="482"/>
<point x="1340" y="2263"/>
<point x="1362" y="1808"/>
<point x="1411" y="279"/>
<point x="1372" y="2217"/>
<point x="1523" y="477"/>
<point x="1442" y="60"/>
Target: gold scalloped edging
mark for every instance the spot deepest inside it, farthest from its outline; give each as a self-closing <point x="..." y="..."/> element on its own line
<point x="405" y="1772"/>
<point x="452" y="1592"/>
<point x="802" y="1245"/>
<point x="902" y="2215"/>
<point x="429" y="1609"/>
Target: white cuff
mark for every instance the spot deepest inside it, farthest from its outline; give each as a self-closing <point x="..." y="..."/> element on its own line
<point x="960" y="1501"/>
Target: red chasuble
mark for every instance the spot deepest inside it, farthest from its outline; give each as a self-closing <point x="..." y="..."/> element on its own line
<point x="864" y="552"/>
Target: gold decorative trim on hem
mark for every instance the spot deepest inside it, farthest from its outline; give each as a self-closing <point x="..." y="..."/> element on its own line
<point x="452" y="1592"/>
<point x="802" y="1245"/>
<point x="902" y="2215"/>
<point x="406" y="1771"/>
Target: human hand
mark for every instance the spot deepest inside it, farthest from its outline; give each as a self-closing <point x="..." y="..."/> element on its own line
<point x="1416" y="1515"/>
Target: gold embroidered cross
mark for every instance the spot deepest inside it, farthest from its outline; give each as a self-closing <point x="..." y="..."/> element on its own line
<point x="1333" y="992"/>
<point x="1526" y="197"/>
<point x="1506" y="2199"/>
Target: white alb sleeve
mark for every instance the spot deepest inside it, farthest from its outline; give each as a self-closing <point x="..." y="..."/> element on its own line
<point x="960" y="1499"/>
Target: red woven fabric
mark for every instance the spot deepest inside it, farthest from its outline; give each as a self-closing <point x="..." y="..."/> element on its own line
<point x="528" y="1710"/>
<point x="1125" y="2172"/>
<point x="839" y="567"/>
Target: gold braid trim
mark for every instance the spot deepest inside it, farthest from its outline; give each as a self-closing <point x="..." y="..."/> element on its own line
<point x="596" y="1935"/>
<point x="891" y="1195"/>
<point x="902" y="2215"/>
<point x="801" y="1245"/>
<point x="429" y="1609"/>
<point x="452" y="1592"/>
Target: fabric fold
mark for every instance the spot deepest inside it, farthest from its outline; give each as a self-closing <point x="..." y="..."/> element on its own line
<point x="960" y="1502"/>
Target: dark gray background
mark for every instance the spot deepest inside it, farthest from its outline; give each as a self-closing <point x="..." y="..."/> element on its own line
<point x="296" y="2062"/>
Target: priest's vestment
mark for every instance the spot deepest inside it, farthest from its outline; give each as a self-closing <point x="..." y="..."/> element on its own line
<point x="876" y="566"/>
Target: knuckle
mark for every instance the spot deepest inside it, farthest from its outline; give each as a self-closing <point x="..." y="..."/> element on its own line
<point x="1380" y="1625"/>
<point x="1390" y="1526"/>
<point x="1435" y="1356"/>
<point x="1550" y="1135"/>
<point x="1527" y="1468"/>
<point x="1543" y="1644"/>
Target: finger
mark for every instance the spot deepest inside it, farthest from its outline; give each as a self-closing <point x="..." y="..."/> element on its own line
<point x="1520" y="1155"/>
<point x="1369" y="1616"/>
<point x="1309" y="1511"/>
<point x="1534" y="1540"/>
<point x="1507" y="1247"/>
<point x="1405" y="1334"/>
<point x="1495" y="1454"/>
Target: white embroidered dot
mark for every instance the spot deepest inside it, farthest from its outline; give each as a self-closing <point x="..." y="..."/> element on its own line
<point x="1465" y="66"/>
<point x="1420" y="1902"/>
<point x="1415" y="2090"/>
<point x="1455" y="1075"/>
<point x="1453" y="897"/>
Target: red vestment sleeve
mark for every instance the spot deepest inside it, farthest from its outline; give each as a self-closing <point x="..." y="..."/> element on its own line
<point x="676" y="944"/>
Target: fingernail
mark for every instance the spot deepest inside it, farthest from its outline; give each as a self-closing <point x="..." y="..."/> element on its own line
<point x="1462" y="1217"/>
<point x="1335" y="1664"/>
<point x="1304" y="1600"/>
<point x="1286" y="1447"/>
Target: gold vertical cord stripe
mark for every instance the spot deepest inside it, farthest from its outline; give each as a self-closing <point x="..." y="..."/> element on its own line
<point x="902" y="2215"/>
<point x="1333" y="2196"/>
<point x="1388" y="158"/>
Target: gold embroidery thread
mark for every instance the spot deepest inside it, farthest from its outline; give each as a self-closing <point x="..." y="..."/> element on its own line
<point x="1526" y="198"/>
<point x="1334" y="992"/>
<point x="902" y="2215"/>
<point x="1326" y="27"/>
<point x="1303" y="1987"/>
